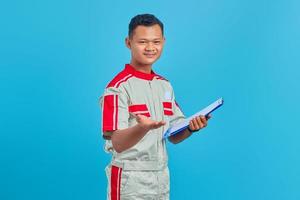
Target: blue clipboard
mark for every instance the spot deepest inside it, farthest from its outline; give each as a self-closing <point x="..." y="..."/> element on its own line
<point x="176" y="128"/>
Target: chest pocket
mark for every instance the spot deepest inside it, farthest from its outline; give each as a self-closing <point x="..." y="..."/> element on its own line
<point x="168" y="108"/>
<point x="139" y="109"/>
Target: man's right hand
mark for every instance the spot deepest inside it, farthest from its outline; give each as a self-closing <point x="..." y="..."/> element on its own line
<point x="125" y="138"/>
<point x="147" y="123"/>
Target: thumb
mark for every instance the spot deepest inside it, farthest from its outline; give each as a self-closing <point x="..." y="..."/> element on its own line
<point x="133" y="115"/>
<point x="137" y="117"/>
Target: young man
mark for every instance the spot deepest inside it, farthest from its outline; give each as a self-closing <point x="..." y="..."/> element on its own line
<point x="138" y="106"/>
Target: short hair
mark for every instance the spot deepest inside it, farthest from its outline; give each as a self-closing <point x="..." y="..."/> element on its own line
<point x="144" y="20"/>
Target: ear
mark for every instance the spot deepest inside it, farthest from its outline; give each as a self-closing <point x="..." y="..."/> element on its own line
<point x="127" y="42"/>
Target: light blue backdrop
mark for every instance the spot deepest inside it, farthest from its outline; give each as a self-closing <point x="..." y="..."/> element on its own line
<point x="57" y="57"/>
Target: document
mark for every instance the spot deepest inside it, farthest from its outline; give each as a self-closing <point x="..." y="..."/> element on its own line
<point x="176" y="128"/>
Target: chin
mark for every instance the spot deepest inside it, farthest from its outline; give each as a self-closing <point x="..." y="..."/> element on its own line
<point x="150" y="61"/>
<point x="147" y="62"/>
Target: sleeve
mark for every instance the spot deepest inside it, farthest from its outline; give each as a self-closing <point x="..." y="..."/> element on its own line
<point x="178" y="115"/>
<point x="114" y="106"/>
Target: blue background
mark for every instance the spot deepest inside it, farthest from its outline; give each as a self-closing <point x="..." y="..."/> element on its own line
<point x="57" y="57"/>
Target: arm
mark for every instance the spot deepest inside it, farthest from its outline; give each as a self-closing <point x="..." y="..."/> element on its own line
<point x="126" y="138"/>
<point x="195" y="124"/>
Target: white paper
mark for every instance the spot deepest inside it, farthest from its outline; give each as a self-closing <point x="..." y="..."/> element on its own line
<point x="183" y="125"/>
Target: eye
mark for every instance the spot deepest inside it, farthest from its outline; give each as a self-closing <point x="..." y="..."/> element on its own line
<point x="157" y="42"/>
<point x="142" y="42"/>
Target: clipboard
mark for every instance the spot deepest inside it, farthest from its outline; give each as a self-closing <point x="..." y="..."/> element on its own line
<point x="176" y="128"/>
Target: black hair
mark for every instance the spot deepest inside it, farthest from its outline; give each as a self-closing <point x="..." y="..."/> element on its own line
<point x="144" y="20"/>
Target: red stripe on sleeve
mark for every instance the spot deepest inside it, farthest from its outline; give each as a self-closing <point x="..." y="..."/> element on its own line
<point x="108" y="113"/>
<point x="116" y="112"/>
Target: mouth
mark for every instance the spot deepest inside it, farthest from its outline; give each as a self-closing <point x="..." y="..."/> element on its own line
<point x="150" y="55"/>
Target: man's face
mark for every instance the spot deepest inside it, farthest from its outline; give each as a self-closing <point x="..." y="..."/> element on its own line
<point x="146" y="44"/>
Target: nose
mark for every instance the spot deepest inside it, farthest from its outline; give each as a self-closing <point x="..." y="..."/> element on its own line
<point x="149" y="46"/>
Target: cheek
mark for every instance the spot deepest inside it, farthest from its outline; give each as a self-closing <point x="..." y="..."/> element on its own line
<point x="159" y="48"/>
<point x="138" y="49"/>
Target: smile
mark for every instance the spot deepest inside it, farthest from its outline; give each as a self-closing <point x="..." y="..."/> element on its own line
<point x="149" y="55"/>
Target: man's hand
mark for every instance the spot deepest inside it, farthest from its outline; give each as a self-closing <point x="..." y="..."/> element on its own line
<point x="195" y="124"/>
<point x="126" y="138"/>
<point x="198" y="123"/>
<point x="147" y="123"/>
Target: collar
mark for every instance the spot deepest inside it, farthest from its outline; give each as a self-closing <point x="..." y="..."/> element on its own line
<point x="138" y="74"/>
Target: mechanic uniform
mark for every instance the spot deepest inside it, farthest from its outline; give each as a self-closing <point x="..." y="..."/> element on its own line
<point x="140" y="172"/>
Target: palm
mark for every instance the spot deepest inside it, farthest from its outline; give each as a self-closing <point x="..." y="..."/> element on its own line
<point x="149" y="123"/>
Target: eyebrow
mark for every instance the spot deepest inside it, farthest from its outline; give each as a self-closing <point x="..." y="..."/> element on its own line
<point x="150" y="39"/>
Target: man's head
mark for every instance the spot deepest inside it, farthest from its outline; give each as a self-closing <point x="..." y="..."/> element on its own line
<point x="145" y="39"/>
<point x="144" y="20"/>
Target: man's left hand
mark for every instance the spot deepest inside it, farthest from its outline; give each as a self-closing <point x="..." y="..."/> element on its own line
<point x="198" y="123"/>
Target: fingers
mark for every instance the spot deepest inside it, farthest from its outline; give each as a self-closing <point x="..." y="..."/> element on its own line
<point x="198" y="123"/>
<point x="158" y="124"/>
<point x="192" y="127"/>
<point x="203" y="121"/>
<point x="162" y="123"/>
<point x="147" y="122"/>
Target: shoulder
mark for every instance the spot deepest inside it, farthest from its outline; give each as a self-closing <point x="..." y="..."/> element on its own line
<point x="163" y="81"/>
<point x="159" y="77"/>
<point x="120" y="78"/>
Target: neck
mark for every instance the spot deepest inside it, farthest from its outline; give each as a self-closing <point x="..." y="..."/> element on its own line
<point x="141" y="67"/>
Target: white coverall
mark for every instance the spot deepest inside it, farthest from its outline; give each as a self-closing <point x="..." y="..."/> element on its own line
<point x="140" y="172"/>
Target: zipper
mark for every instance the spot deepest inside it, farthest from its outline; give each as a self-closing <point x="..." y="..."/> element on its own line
<point x="153" y="101"/>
